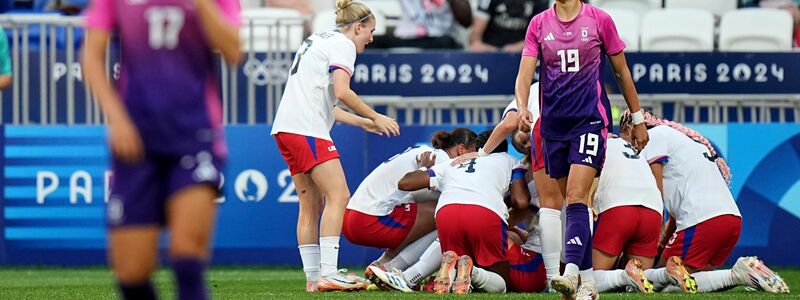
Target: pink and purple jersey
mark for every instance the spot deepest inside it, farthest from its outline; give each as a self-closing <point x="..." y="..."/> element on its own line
<point x="168" y="77"/>
<point x="572" y="99"/>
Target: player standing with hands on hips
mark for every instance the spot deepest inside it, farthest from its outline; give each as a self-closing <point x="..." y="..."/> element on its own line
<point x="570" y="40"/>
<point x="320" y="78"/>
<point x="164" y="130"/>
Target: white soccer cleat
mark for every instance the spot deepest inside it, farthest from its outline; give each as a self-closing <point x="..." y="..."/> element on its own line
<point x="393" y="279"/>
<point x="567" y="285"/>
<point x="587" y="291"/>
<point x="636" y="277"/>
<point x="341" y="282"/>
<point x="755" y="274"/>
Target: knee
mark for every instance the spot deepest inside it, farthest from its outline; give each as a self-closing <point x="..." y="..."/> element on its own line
<point x="577" y="195"/>
<point x="189" y="246"/>
<point x="132" y="272"/>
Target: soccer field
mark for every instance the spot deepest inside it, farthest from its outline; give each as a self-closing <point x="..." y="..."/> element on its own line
<point x="263" y="283"/>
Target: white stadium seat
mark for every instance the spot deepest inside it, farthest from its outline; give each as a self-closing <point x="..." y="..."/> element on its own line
<point x="326" y="20"/>
<point x="716" y="7"/>
<point x="639" y="6"/>
<point x="273" y="29"/>
<point x="628" y="24"/>
<point x="678" y="29"/>
<point x="756" y="29"/>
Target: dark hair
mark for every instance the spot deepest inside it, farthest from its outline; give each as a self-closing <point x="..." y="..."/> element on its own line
<point x="445" y="140"/>
<point x="517" y="146"/>
<point x="484" y="137"/>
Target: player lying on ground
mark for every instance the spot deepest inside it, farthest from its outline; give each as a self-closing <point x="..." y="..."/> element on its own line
<point x="380" y="215"/>
<point x="704" y="221"/>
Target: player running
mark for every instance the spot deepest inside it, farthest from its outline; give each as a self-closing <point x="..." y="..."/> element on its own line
<point x="704" y="221"/>
<point x="380" y="215"/>
<point x="318" y="79"/>
<point x="571" y="39"/>
<point x="164" y="130"/>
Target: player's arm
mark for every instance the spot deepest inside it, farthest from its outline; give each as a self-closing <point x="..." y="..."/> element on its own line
<point x="221" y="33"/>
<point x="349" y="118"/>
<point x="514" y="47"/>
<point x="625" y="82"/>
<point x="476" y="43"/>
<point x="520" y="196"/>
<point x="342" y="91"/>
<point x="658" y="172"/>
<point x="415" y="180"/>
<point x="666" y="234"/>
<point x="5" y="81"/>
<point x="522" y="90"/>
<point x="500" y="133"/>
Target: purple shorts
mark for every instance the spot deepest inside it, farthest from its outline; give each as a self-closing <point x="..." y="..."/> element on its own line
<point x="586" y="149"/>
<point x="139" y="192"/>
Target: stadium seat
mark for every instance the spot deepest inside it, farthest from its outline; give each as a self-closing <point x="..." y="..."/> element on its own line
<point x="639" y="6"/>
<point x="326" y="20"/>
<point x="756" y="29"/>
<point x="273" y="29"/>
<point x="628" y="24"/>
<point x="716" y="7"/>
<point x="678" y="29"/>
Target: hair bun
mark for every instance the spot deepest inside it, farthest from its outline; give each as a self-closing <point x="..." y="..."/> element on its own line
<point x="441" y="140"/>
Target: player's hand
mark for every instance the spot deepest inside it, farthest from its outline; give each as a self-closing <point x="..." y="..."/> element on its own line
<point x="521" y="233"/>
<point x="426" y="159"/>
<point x="640" y="137"/>
<point x="463" y="158"/>
<point x="370" y="127"/>
<point x="387" y="126"/>
<point x="525" y="119"/>
<point x="126" y="143"/>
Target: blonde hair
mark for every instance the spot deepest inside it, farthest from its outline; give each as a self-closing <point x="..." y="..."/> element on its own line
<point x="651" y="121"/>
<point x="349" y="12"/>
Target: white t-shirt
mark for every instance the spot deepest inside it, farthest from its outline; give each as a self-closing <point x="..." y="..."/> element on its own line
<point x="482" y="181"/>
<point x="306" y="107"/>
<point x="378" y="195"/>
<point x="533" y="103"/>
<point x="626" y="180"/>
<point x="694" y="190"/>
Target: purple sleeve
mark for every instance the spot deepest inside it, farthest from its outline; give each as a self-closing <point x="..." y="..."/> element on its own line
<point x="230" y="10"/>
<point x="100" y="15"/>
<point x="532" y="37"/>
<point x="608" y="35"/>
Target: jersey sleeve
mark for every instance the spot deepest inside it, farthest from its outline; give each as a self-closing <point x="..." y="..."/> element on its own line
<point x="656" y="150"/>
<point x="231" y="10"/>
<point x="100" y="15"/>
<point x="609" y="36"/>
<point x="532" y="37"/>
<point x="518" y="172"/>
<point x="342" y="55"/>
<point x="437" y="174"/>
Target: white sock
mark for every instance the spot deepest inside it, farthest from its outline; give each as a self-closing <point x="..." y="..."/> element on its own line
<point x="329" y="255"/>
<point x="658" y="277"/>
<point x="609" y="280"/>
<point x="587" y="275"/>
<point x="383" y="259"/>
<point x="428" y="263"/>
<point x="571" y="269"/>
<point x="309" y="254"/>
<point x="712" y="281"/>
<point x="552" y="241"/>
<point x="486" y="281"/>
<point x="411" y="253"/>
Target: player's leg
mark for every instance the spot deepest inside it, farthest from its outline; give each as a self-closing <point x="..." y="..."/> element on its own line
<point x="132" y="256"/>
<point x="191" y="214"/>
<point x="552" y="201"/>
<point x="487" y="269"/>
<point x="418" y="238"/>
<point x="673" y="271"/>
<point x="526" y="273"/>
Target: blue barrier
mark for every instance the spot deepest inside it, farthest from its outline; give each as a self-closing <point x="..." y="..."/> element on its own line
<point x="54" y="183"/>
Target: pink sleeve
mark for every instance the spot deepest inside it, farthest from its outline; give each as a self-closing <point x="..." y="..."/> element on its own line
<point x="230" y="10"/>
<point x="532" y="38"/>
<point x="609" y="36"/>
<point x="100" y="15"/>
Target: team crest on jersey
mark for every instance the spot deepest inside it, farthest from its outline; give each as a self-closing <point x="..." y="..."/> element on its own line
<point x="584" y="34"/>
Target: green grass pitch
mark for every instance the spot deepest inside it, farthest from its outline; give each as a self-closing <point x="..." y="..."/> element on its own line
<point x="271" y="283"/>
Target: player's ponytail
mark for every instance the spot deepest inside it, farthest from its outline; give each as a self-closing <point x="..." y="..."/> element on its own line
<point x="460" y="136"/>
<point x="349" y="12"/>
<point x="651" y="121"/>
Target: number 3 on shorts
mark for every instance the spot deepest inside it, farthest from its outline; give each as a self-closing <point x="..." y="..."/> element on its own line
<point x="589" y="143"/>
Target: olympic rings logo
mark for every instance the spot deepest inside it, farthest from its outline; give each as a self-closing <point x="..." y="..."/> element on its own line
<point x="261" y="73"/>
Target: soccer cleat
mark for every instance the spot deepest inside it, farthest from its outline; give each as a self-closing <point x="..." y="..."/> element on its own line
<point x="755" y="274"/>
<point x="463" y="283"/>
<point x="587" y="291"/>
<point x="394" y="279"/>
<point x="446" y="275"/>
<point x="636" y="277"/>
<point x="679" y="276"/>
<point x="567" y="285"/>
<point x="370" y="275"/>
<point x="311" y="287"/>
<point x="341" y="282"/>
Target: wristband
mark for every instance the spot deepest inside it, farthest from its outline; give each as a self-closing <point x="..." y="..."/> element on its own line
<point x="481" y="153"/>
<point x="637" y="118"/>
<point x="422" y="169"/>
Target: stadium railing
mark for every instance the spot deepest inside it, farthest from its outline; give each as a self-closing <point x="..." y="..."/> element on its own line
<point x="48" y="87"/>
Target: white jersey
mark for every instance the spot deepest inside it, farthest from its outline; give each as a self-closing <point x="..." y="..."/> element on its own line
<point x="306" y="107"/>
<point x="378" y="195"/>
<point x="533" y="103"/>
<point x="482" y="181"/>
<point x="694" y="190"/>
<point x="626" y="180"/>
